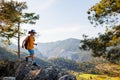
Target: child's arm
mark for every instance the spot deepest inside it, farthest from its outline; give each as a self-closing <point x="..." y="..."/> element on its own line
<point x="23" y="43"/>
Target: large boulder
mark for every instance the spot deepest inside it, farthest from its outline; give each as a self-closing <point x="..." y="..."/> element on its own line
<point x="26" y="71"/>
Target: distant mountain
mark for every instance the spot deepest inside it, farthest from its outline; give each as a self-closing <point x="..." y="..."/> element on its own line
<point x="68" y="49"/>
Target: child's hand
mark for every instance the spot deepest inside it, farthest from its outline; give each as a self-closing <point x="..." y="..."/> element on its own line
<point x="35" y="44"/>
<point x="22" y="46"/>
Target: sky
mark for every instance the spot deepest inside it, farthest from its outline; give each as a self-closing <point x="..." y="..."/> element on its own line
<point x="61" y="19"/>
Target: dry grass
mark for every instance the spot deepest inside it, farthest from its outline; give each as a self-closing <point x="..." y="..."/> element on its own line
<point x="112" y="70"/>
<point x="95" y="77"/>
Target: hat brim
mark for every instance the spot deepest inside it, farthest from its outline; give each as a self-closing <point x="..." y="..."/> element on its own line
<point x="32" y="32"/>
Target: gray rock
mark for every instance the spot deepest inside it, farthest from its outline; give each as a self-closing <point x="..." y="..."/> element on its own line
<point x="51" y="73"/>
<point x="67" y="77"/>
<point x="9" y="78"/>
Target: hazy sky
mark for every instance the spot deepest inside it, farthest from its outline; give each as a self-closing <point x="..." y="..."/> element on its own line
<point x="62" y="19"/>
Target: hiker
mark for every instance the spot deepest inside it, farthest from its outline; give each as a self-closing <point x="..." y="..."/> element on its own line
<point x="30" y="46"/>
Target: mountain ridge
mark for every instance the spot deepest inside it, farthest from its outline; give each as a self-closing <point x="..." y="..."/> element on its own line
<point x="58" y="41"/>
<point x="68" y="48"/>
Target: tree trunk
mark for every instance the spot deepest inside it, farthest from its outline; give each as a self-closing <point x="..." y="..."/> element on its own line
<point x="19" y="40"/>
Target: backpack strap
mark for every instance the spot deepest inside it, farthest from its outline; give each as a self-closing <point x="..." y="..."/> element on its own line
<point x="28" y="39"/>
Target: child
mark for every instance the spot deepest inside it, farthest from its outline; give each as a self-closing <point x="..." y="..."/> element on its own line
<point x="30" y="46"/>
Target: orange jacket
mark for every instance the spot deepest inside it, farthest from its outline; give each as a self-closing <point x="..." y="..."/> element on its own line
<point x="30" y="42"/>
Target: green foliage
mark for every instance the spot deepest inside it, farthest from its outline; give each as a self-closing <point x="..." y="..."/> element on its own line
<point x="105" y="12"/>
<point x="11" y="13"/>
<point x="8" y="16"/>
<point x="114" y="55"/>
<point x="105" y="45"/>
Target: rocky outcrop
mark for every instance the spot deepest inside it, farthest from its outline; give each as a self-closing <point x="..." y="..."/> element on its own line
<point x="26" y="71"/>
<point x="22" y="70"/>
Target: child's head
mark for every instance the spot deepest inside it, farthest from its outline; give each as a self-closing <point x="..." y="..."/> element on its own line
<point x="32" y="32"/>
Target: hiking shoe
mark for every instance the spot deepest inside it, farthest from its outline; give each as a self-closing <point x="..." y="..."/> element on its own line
<point x="34" y="64"/>
<point x="26" y="58"/>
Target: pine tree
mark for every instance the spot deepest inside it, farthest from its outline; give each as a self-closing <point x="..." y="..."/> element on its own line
<point x="11" y="18"/>
<point x="105" y="13"/>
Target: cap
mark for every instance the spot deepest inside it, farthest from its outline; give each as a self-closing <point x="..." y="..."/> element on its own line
<point x="32" y="31"/>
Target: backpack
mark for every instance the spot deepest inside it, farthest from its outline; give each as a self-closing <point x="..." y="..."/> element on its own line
<point x="26" y="42"/>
